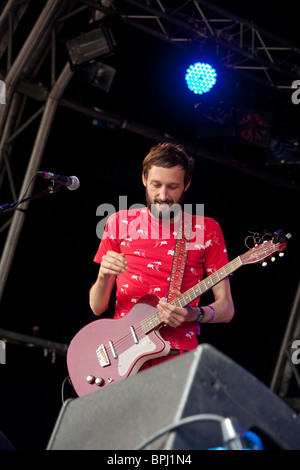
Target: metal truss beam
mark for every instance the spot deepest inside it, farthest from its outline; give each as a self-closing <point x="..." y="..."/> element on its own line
<point x="32" y="168"/>
<point x="10" y="17"/>
<point x="285" y="369"/>
<point x="52" y="347"/>
<point x="240" y="44"/>
<point x="26" y="65"/>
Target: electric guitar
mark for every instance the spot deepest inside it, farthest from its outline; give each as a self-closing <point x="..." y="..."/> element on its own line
<point x="106" y="351"/>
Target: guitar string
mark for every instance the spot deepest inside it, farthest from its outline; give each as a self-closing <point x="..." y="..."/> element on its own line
<point x="123" y="341"/>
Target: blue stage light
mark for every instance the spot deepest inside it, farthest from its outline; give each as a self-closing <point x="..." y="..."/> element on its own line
<point x="200" y="78"/>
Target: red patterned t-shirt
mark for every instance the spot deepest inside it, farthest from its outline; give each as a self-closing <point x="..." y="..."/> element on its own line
<point x="148" y="246"/>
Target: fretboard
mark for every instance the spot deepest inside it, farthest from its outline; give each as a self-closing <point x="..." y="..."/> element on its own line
<point x="154" y="320"/>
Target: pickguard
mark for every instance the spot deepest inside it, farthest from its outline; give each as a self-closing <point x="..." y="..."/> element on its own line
<point x="128" y="357"/>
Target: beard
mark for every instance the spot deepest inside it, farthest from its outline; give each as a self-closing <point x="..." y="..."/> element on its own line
<point x="164" y="210"/>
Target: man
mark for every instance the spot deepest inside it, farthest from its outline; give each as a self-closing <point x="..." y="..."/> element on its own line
<point x="137" y="250"/>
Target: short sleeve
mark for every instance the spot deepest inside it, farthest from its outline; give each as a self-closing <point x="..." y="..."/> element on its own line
<point x="109" y="240"/>
<point x="216" y="255"/>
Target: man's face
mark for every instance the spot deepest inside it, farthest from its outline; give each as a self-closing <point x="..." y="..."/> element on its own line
<point x="164" y="188"/>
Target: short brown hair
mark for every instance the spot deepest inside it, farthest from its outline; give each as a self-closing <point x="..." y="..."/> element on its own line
<point x="168" y="155"/>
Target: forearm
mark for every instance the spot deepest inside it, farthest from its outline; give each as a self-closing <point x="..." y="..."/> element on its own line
<point x="100" y="294"/>
<point x="113" y="264"/>
<point x="221" y="310"/>
<point x="216" y="312"/>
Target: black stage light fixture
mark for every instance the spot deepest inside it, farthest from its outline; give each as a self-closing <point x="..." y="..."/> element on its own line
<point x="99" y="42"/>
<point x="98" y="75"/>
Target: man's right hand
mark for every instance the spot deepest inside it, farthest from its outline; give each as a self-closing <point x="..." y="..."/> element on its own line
<point x="113" y="263"/>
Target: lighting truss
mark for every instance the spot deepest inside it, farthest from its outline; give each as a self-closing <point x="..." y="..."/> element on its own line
<point x="240" y="44"/>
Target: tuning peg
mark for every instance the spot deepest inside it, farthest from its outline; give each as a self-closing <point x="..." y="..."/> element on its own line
<point x="273" y="259"/>
<point x="264" y="264"/>
<point x="281" y="254"/>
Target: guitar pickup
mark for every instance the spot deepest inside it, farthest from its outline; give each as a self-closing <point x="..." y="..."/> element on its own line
<point x="102" y="356"/>
<point x="135" y="338"/>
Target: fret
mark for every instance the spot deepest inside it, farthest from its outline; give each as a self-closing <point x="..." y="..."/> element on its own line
<point x="151" y="322"/>
<point x="184" y="299"/>
<point x="154" y="320"/>
<point x="197" y="290"/>
<point x="206" y="284"/>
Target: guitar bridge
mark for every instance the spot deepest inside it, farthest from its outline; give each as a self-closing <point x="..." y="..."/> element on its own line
<point x="102" y="356"/>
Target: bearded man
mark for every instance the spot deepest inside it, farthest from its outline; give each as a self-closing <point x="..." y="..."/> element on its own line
<point x="137" y="253"/>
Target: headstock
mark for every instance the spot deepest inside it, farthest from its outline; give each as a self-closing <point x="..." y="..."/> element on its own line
<point x="266" y="249"/>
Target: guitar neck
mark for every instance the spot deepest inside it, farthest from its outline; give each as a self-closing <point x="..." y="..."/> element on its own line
<point x="207" y="283"/>
<point x="154" y="321"/>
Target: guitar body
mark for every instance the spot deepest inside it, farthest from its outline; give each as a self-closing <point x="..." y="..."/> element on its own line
<point x="109" y="350"/>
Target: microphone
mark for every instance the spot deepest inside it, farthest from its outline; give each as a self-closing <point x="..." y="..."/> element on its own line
<point x="72" y="182"/>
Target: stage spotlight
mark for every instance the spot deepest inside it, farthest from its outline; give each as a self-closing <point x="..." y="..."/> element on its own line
<point x="98" y="75"/>
<point x="99" y="42"/>
<point x="200" y="78"/>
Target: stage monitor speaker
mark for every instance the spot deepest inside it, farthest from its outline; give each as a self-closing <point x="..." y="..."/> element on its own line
<point x="203" y="386"/>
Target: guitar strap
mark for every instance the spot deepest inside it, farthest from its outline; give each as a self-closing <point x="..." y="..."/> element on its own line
<point x="180" y="254"/>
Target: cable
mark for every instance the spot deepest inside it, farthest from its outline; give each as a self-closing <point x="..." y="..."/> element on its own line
<point x="181" y="422"/>
<point x="25" y="192"/>
<point x="13" y="206"/>
<point x="63" y="388"/>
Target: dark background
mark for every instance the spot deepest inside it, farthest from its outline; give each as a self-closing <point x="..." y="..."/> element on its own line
<point x="47" y="290"/>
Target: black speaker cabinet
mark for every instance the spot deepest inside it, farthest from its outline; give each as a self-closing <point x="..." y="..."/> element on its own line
<point x="203" y="387"/>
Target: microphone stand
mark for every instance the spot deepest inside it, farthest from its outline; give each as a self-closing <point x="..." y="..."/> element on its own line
<point x="10" y="207"/>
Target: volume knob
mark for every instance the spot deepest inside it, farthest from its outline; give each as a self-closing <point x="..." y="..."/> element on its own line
<point x="99" y="381"/>
<point x="90" y="379"/>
